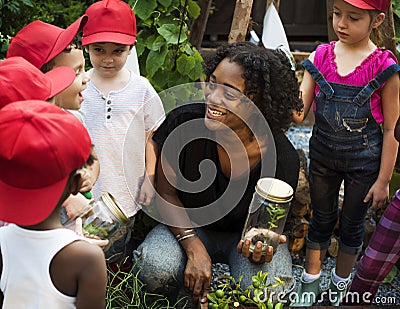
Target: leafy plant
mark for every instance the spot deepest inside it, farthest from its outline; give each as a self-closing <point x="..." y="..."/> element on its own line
<point x="230" y="293"/>
<point x="125" y="290"/>
<point x="275" y="214"/>
<point x="166" y="57"/>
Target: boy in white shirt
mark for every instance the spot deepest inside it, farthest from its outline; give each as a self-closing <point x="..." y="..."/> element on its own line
<point x="121" y="109"/>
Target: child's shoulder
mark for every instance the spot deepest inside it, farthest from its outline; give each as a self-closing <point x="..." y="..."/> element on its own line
<point x="139" y="80"/>
<point x="326" y="49"/>
<point x="385" y="56"/>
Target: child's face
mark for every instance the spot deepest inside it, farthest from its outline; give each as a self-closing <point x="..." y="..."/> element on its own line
<point x="108" y="58"/>
<point x="71" y="98"/>
<point x="352" y="25"/>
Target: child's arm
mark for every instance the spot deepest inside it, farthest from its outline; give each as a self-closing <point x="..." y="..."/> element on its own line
<point x="92" y="278"/>
<point x="390" y="107"/>
<point x="307" y="90"/>
<point x="147" y="190"/>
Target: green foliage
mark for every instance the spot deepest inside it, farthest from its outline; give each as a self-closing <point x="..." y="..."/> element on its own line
<point x="125" y="290"/>
<point x="4" y="42"/>
<point x="15" y="14"/>
<point x="166" y="57"/>
<point x="230" y="293"/>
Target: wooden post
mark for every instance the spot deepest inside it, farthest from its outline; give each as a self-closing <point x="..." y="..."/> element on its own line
<point x="241" y="20"/>
<point x="386" y="29"/>
<point x="276" y="3"/>
<point x="200" y="24"/>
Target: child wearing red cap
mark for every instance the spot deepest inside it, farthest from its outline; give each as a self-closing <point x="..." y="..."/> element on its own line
<point x="20" y="80"/>
<point x="44" y="265"/>
<point x="121" y="109"/>
<point x="354" y="86"/>
<point x="47" y="47"/>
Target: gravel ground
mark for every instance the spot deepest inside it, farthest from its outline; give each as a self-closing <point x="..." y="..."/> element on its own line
<point x="388" y="293"/>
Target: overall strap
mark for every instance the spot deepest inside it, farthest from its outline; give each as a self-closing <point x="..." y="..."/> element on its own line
<point x="318" y="77"/>
<point x="375" y="84"/>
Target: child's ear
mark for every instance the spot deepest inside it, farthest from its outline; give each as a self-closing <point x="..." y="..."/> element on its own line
<point x="75" y="183"/>
<point x="378" y="20"/>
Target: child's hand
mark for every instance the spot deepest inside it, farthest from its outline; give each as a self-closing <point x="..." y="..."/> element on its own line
<point x="76" y="205"/>
<point x="86" y="179"/>
<point x="102" y="243"/>
<point x="147" y="192"/>
<point x="379" y="193"/>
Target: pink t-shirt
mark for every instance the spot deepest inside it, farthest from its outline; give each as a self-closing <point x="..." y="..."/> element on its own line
<point x="369" y="68"/>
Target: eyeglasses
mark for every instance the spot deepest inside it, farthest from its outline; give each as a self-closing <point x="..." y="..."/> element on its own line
<point x="233" y="96"/>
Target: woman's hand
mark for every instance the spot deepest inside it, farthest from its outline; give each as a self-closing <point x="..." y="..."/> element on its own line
<point x="198" y="270"/>
<point x="257" y="255"/>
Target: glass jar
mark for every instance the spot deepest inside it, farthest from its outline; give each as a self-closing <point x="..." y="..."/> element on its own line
<point x="105" y="218"/>
<point x="267" y="214"/>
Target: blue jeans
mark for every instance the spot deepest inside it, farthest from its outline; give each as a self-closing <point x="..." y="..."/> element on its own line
<point x="162" y="261"/>
<point x="326" y="177"/>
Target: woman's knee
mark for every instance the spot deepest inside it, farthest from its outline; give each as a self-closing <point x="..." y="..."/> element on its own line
<point x="159" y="260"/>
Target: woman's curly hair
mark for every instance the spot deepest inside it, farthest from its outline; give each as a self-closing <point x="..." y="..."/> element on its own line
<point x="269" y="80"/>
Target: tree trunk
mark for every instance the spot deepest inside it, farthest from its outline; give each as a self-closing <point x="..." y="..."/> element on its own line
<point x="241" y="21"/>
<point x="200" y="24"/>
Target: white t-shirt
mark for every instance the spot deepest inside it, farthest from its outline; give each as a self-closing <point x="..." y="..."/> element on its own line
<point x="118" y="125"/>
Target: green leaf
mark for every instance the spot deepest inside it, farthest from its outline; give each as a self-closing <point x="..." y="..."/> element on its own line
<point x="185" y="64"/>
<point x="149" y="40"/>
<point x="166" y="19"/>
<point x="193" y="9"/>
<point x="139" y="49"/>
<point x="157" y="44"/>
<point x="27" y="2"/>
<point x="212" y="297"/>
<point x="187" y="49"/>
<point x="170" y="32"/>
<point x="165" y="3"/>
<point x="158" y="80"/>
<point x="144" y="9"/>
<point x="154" y="60"/>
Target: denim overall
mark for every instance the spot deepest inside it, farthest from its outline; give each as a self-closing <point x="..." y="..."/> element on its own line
<point x="346" y="145"/>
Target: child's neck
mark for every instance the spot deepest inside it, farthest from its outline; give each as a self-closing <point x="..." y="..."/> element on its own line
<point x="50" y="223"/>
<point x="107" y="84"/>
<point x="349" y="57"/>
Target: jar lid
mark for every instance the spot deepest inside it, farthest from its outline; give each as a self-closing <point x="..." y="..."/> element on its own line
<point x="114" y="207"/>
<point x="274" y="190"/>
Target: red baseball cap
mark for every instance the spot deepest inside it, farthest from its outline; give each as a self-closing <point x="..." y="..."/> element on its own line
<point x="110" y="21"/>
<point x="380" y="5"/>
<point x="40" y="42"/>
<point x="41" y="145"/>
<point x="20" y="80"/>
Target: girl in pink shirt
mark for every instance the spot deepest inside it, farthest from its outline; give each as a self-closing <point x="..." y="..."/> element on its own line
<point x="355" y="89"/>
